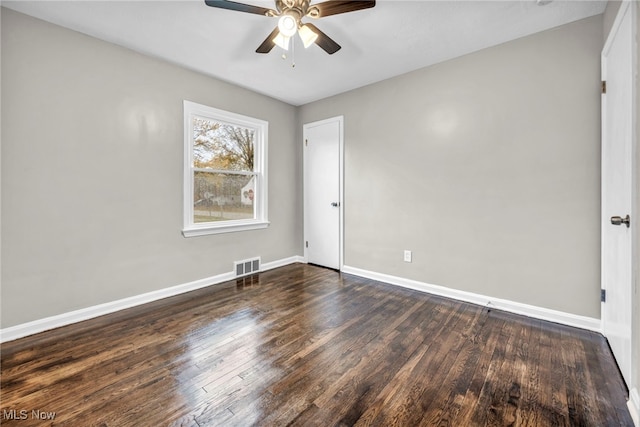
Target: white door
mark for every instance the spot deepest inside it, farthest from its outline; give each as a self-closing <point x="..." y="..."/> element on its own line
<point x="323" y="192"/>
<point x="617" y="135"/>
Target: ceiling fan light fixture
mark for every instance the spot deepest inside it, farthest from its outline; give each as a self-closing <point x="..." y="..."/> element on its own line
<point x="291" y="12"/>
<point x="282" y="41"/>
<point x="307" y="35"/>
<point x="288" y="25"/>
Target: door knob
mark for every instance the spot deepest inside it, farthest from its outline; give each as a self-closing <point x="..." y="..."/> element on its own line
<point x="616" y="220"/>
<point x="335" y="204"/>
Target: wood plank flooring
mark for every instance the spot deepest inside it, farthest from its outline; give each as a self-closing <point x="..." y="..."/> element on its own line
<point x="307" y="346"/>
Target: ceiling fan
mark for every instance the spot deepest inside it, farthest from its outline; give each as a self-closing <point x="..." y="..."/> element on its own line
<point x="291" y="13"/>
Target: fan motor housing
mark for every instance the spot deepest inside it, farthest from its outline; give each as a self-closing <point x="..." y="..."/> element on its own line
<point x="299" y="6"/>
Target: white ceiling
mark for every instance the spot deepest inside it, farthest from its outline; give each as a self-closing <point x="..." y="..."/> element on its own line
<point x="392" y="38"/>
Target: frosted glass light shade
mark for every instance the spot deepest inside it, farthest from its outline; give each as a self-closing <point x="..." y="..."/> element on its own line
<point x="282" y="41"/>
<point x="307" y="35"/>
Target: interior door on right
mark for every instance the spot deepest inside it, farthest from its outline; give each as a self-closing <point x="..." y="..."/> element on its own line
<point x="617" y="135"/>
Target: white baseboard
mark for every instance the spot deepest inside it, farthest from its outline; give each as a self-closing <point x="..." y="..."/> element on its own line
<point x="634" y="406"/>
<point x="64" y="319"/>
<point x="497" y="303"/>
<point x="41" y="325"/>
<point x="282" y="262"/>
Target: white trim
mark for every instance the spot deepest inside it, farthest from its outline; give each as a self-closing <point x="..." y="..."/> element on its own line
<point x="64" y="319"/>
<point x="282" y="262"/>
<point x="634" y="406"/>
<point x="568" y="319"/>
<point x="261" y="128"/>
<point x="340" y="120"/>
<point x="228" y="227"/>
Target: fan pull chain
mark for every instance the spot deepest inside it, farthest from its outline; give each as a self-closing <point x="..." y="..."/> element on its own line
<point x="293" y="53"/>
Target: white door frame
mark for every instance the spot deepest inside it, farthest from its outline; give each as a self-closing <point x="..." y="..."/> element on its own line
<point x="627" y="7"/>
<point x="340" y="120"/>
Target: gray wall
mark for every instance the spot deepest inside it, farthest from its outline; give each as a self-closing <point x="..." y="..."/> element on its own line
<point x="486" y="167"/>
<point x="92" y="149"/>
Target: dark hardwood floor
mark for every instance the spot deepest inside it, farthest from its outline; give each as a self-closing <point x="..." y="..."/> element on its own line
<point x="302" y="345"/>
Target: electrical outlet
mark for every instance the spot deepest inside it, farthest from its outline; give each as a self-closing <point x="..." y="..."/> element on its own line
<point x="407" y="256"/>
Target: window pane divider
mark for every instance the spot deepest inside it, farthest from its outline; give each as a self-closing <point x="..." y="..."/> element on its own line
<point x="209" y="170"/>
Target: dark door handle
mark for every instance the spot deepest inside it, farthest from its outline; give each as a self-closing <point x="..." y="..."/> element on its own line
<point x="335" y="204"/>
<point x="616" y="220"/>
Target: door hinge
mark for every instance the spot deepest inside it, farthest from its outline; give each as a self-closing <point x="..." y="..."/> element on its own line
<point x="306" y="244"/>
<point x="604" y="86"/>
<point x="603" y="295"/>
<point x="306" y="142"/>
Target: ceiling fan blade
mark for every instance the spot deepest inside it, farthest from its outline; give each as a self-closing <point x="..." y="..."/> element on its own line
<point x="324" y="41"/>
<point x="240" y="7"/>
<point x="268" y="43"/>
<point x="335" y="7"/>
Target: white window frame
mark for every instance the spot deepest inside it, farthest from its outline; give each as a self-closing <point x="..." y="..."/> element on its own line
<point x="261" y="128"/>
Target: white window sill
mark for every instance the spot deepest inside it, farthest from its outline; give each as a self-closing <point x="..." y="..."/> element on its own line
<point x="206" y="229"/>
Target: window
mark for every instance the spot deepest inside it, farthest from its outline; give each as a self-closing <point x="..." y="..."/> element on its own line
<point x="225" y="186"/>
